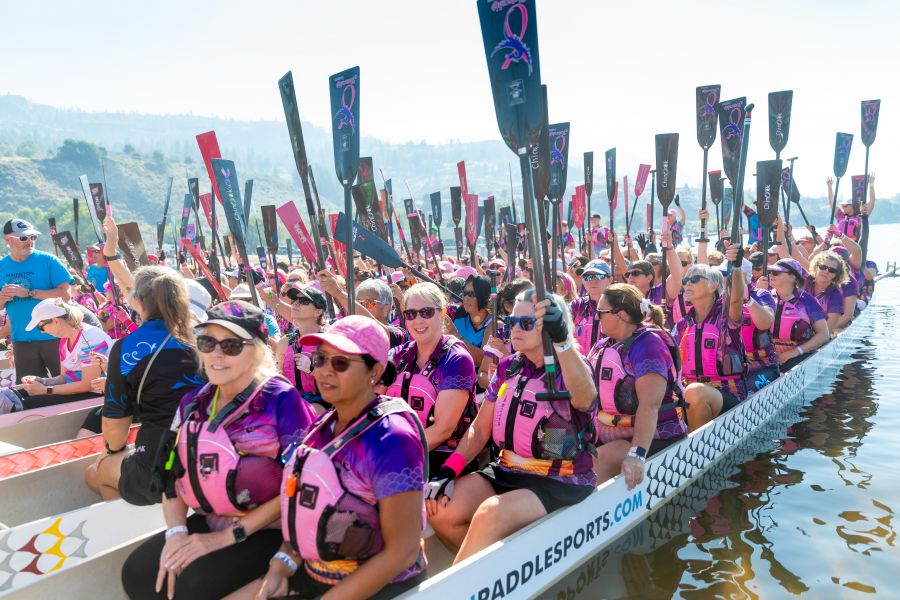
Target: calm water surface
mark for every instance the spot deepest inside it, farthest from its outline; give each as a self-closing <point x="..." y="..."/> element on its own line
<point x="807" y="507"/>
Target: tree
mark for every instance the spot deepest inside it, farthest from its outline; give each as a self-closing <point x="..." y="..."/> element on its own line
<point x="81" y="153"/>
<point x="128" y="149"/>
<point x="28" y="149"/>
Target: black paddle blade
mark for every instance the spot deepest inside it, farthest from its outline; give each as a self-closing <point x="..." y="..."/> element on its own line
<point x="715" y="186"/>
<point x="559" y="159"/>
<point x="858" y="185"/>
<point x="611" y="174"/>
<point x="768" y="179"/>
<point x="458" y="234"/>
<point x="588" y="173"/>
<point x="227" y="181"/>
<point x="666" y="166"/>
<point x="779" y="119"/>
<point x="707" y="98"/>
<point x="731" y="123"/>
<point x="98" y="199"/>
<point x="727" y="205"/>
<point x="69" y="249"/>
<point x="292" y="116"/>
<point x="540" y="153"/>
<point x="842" y="144"/>
<point x="869" y="110"/>
<point x="490" y="219"/>
<point x="366" y="200"/>
<point x="509" y="31"/>
<point x="786" y="186"/>
<point x="456" y="204"/>
<point x="344" y="87"/>
<point x="270" y="227"/>
<point x="367" y="243"/>
<point x="436" y="208"/>
<point x="131" y="243"/>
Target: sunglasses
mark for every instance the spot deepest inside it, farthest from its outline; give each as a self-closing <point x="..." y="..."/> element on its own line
<point x="43" y="324"/>
<point x="468" y="294"/>
<point x="685" y="263"/>
<point x="611" y="311"/>
<point x="694" y="279"/>
<point x="526" y="323"/>
<point x="635" y="273"/>
<point x="301" y="300"/>
<point x="411" y="313"/>
<point x="595" y="276"/>
<point x="370" y="303"/>
<point x="25" y="238"/>
<point x="338" y="363"/>
<point x="833" y="270"/>
<point x="230" y="346"/>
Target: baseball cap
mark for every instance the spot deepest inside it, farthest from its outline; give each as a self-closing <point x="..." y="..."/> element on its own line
<point x="46" y="309"/>
<point x="241" y="292"/>
<point x="19" y="227"/>
<point x="597" y="266"/>
<point x="199" y="298"/>
<point x="844" y="202"/>
<point x="354" y="335"/>
<point x="307" y="291"/>
<point x="240" y="318"/>
<point x="789" y="265"/>
<point x="757" y="259"/>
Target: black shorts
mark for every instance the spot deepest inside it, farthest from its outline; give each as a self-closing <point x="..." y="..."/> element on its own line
<point x="729" y="400"/>
<point x="760" y="378"/>
<point x="660" y="445"/>
<point x="45" y="400"/>
<point x="137" y="469"/>
<point x="301" y="585"/>
<point x="553" y="494"/>
<point x="795" y="361"/>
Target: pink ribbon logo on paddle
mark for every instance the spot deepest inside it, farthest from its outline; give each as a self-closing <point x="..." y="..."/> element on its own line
<point x="344" y="115"/>
<point x="513" y="44"/>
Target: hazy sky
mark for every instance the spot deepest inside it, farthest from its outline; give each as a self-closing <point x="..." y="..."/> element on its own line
<point x="620" y="72"/>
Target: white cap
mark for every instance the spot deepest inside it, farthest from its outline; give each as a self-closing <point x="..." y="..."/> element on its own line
<point x="240" y="292"/>
<point x="46" y="309"/>
<point x="198" y="299"/>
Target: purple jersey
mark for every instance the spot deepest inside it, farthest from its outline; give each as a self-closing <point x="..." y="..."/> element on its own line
<point x="454" y="371"/>
<point x="851" y="288"/>
<point x="587" y="325"/>
<point x="831" y="299"/>
<point x="812" y="307"/>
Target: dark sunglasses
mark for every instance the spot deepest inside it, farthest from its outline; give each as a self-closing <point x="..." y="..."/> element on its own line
<point x="25" y="238"/>
<point x="338" y="363"/>
<point x="526" y="323"/>
<point x="301" y="300"/>
<point x="410" y="313"/>
<point x="692" y="279"/>
<point x="685" y="263"/>
<point x="43" y="324"/>
<point x="595" y="276"/>
<point x="833" y="270"/>
<point x="635" y="273"/>
<point x="468" y="294"/>
<point x="230" y="346"/>
<point x="610" y="311"/>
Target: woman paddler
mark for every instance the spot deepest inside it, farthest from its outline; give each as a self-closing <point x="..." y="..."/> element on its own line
<point x="827" y="276"/>
<point x="223" y="462"/>
<point x="545" y="446"/>
<point x="638" y="378"/>
<point x="596" y="277"/>
<point x="351" y="499"/>
<point x="295" y="360"/>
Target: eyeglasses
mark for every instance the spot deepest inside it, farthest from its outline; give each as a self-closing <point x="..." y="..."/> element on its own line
<point x="611" y="311"/>
<point x="411" y="313"/>
<point x="694" y="279"/>
<point x="526" y="323"/>
<point x="685" y="263"/>
<point x="595" y="276"/>
<point x="230" y="346"/>
<point x="25" y="238"/>
<point x="468" y="294"/>
<point x="301" y="300"/>
<point x="370" y="303"/>
<point x="634" y="273"/>
<point x="338" y="363"/>
<point x="833" y="270"/>
<point x="759" y="268"/>
<point x="43" y="324"/>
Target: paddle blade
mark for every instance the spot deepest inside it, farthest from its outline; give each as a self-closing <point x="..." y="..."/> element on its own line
<point x="366" y="200"/>
<point x="436" y="208"/>
<point x="540" y="154"/>
<point x="290" y="216"/>
<point x="463" y="179"/>
<point x="559" y="159"/>
<point x="579" y="211"/>
<point x="786" y="186"/>
<point x="610" y="161"/>
<point x="131" y="243"/>
<point x="768" y="178"/>
<point x="366" y="243"/>
<point x="731" y="122"/>
<point x="471" y="219"/>
<point x="270" y="227"/>
<point x="490" y="219"/>
<point x="227" y="183"/>
<point x="344" y="89"/>
<point x="194" y="188"/>
<point x="69" y="249"/>
<point x="727" y="206"/>
<point x="666" y="167"/>
<point x="715" y="186"/>
<point x="99" y="201"/>
<point x="456" y="204"/>
<point x="842" y="144"/>
<point x="509" y="32"/>
<point x="292" y="116"/>
<point x="641" y="182"/>
<point x="869" y="110"/>
<point x="779" y="119"/>
<point x="209" y="149"/>
<point x="588" y="173"/>
<point x="707" y="97"/>
<point x="859" y="190"/>
<point x="92" y="209"/>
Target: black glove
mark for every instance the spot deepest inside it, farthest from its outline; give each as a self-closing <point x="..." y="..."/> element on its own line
<point x="162" y="256"/>
<point x="677" y="201"/>
<point x="182" y="258"/>
<point x="441" y="484"/>
<point x="641" y="240"/>
<point x="554" y="323"/>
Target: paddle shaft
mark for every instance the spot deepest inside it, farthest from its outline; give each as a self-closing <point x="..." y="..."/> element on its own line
<point x="787" y="211"/>
<point x="864" y="234"/>
<point x="739" y="192"/>
<point x="703" y="233"/>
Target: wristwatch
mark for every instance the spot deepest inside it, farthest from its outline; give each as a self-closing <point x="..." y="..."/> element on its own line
<point x="31" y="292"/>
<point x="49" y="390"/>
<point x="115" y="256"/>
<point x="238" y="531"/>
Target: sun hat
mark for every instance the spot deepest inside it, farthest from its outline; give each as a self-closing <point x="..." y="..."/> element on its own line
<point x="354" y="335"/>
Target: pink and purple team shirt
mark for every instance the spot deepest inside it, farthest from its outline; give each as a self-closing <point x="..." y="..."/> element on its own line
<point x="454" y="371"/>
<point x="73" y="360"/>
<point x="831" y="299"/>
<point x="806" y="301"/>
<point x="583" y="472"/>
<point x="584" y="312"/>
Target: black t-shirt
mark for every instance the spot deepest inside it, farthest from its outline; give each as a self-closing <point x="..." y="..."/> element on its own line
<point x="174" y="373"/>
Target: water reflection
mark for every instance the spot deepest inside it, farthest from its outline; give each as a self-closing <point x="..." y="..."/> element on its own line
<point x="777" y="515"/>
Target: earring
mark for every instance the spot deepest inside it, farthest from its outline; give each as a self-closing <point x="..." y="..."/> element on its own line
<point x="372" y="381"/>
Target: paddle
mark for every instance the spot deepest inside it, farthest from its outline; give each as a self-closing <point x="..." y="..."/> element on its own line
<point x="735" y="140"/>
<point x="512" y="196"/>
<point x="588" y="188"/>
<point x="559" y="166"/>
<point x="869" y="110"/>
<point x="344" y="91"/>
<point x="768" y="179"/>
<point x="789" y="187"/>
<point x="842" y="144"/>
<point x="75" y="217"/>
<point x="541" y="179"/>
<point x="70" y="250"/>
<point x="429" y="247"/>
<point x="131" y="243"/>
<point x="707" y="97"/>
<point x="666" y="166"/>
<point x="779" y="128"/>
<point x="389" y="191"/>
<point x="514" y="70"/>
<point x="494" y="300"/>
<point x="227" y="184"/>
<point x="579" y="210"/>
<point x="611" y="189"/>
<point x="639" y="184"/>
<point x="511" y="250"/>
<point x="436" y="212"/>
<point x="161" y="231"/>
<point x="490" y="221"/>
<point x="456" y="213"/>
<point x="51" y="225"/>
<point x="93" y="195"/>
<point x="270" y="230"/>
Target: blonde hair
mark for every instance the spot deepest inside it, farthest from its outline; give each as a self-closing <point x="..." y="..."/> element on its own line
<point x="839" y="278"/>
<point x="73" y="317"/>
<point x="163" y="295"/>
<point x="428" y="292"/>
<point x="715" y="258"/>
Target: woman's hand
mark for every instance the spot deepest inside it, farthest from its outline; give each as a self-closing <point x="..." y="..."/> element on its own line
<point x="111" y="231"/>
<point x="34" y="388"/>
<point x="197" y="546"/>
<point x="98" y="385"/>
<point x="99" y="360"/>
<point x="633" y="470"/>
<point x="167" y="573"/>
<point x="29" y="379"/>
<point x="274" y="585"/>
<point x="498" y="345"/>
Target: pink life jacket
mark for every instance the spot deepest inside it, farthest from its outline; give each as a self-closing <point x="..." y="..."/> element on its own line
<point x="703" y="356"/>
<point x="850" y="226"/>
<point x="292" y="373"/>
<point x="616" y="388"/>
<point x="757" y="342"/>
<point x="320" y="518"/>
<point x="792" y="325"/>
<point x="208" y="456"/>
<point x="532" y="428"/>
<point x="680" y="308"/>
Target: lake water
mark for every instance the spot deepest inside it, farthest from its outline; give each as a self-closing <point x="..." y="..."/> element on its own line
<point x="806" y="507"/>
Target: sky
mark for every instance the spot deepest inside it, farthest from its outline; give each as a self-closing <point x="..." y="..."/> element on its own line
<point x="619" y="72"/>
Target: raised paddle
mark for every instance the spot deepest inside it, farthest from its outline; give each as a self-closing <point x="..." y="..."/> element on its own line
<point x="514" y="70"/>
<point x="843" y="142"/>
<point x="666" y="166"/>
<point x="789" y="187"/>
<point x="768" y="179"/>
<point x="869" y="110"/>
<point x="588" y="188"/>
<point x="611" y="192"/>
<point x="707" y="97"/>
<point x="559" y="166"/>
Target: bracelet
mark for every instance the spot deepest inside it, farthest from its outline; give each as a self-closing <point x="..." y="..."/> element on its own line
<point x="176" y="530"/>
<point x="116" y="256"/>
<point x="563" y="347"/>
<point x="287" y="560"/>
<point x="110" y="450"/>
<point x="456" y="462"/>
<point x="800" y="350"/>
<point x="632" y="454"/>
